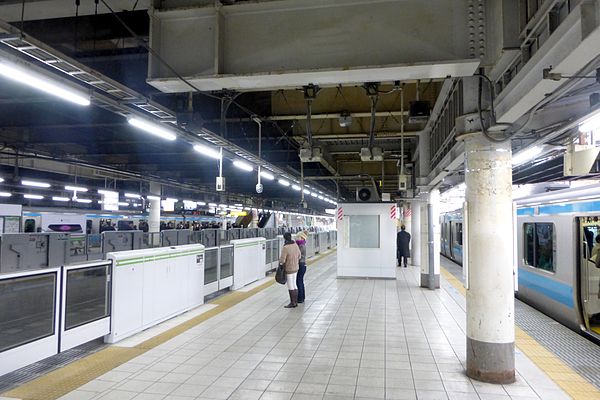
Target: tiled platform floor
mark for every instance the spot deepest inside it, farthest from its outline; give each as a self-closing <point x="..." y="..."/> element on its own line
<point x="362" y="339"/>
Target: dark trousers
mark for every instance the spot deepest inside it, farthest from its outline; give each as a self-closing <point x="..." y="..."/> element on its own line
<point x="300" y="282"/>
<point x="401" y="259"/>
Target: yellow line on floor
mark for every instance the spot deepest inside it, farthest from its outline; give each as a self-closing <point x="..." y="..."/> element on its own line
<point x="63" y="380"/>
<point x="564" y="376"/>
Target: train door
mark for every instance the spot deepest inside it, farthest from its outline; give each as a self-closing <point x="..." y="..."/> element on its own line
<point x="444" y="238"/>
<point x="589" y="275"/>
<point x="457" y="241"/>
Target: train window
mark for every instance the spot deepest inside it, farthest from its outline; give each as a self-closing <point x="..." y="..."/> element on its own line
<point x="459" y="233"/>
<point x="539" y="245"/>
<point x="528" y="228"/>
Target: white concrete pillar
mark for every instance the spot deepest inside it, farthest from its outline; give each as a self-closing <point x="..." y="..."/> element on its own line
<point x="407" y="217"/>
<point x="415" y="233"/>
<point x="490" y="293"/>
<point x="430" y="252"/>
<point x="154" y="217"/>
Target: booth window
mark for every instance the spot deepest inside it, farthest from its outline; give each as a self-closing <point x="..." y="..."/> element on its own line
<point x="364" y="231"/>
<point x="539" y="245"/>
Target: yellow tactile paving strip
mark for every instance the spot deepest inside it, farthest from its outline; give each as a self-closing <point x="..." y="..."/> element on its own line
<point x="563" y="375"/>
<point x="70" y="377"/>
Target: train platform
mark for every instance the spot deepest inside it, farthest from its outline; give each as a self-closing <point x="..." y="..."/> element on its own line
<point x="352" y="339"/>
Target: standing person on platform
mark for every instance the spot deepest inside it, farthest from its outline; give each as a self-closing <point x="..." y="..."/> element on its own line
<point x="402" y="246"/>
<point x="301" y="242"/>
<point x="290" y="258"/>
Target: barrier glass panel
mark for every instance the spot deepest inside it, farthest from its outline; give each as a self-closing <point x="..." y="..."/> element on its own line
<point x="211" y="260"/>
<point x="26" y="309"/>
<point x="226" y="262"/>
<point x="269" y="252"/>
<point x="88" y="295"/>
<point x="94" y="244"/>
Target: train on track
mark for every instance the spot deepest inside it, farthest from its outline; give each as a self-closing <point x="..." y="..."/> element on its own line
<point x="557" y="236"/>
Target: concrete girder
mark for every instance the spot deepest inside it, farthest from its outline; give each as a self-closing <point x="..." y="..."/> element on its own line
<point x="570" y="48"/>
<point x="285" y="43"/>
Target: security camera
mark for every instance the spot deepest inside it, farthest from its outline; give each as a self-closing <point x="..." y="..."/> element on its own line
<point x="259" y="188"/>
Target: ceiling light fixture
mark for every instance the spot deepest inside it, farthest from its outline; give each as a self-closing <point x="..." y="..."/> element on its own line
<point x="207" y="151"/>
<point x="76" y="188"/>
<point x="268" y="176"/>
<point x="107" y="192"/>
<point x="132" y="195"/>
<point x="40" y="82"/>
<point x="5" y="194"/>
<point x="58" y="198"/>
<point x="296" y="188"/>
<point x="243" y="166"/>
<point x="590" y="124"/>
<point x="527" y="155"/>
<point x="152" y="128"/>
<point x="35" y="184"/>
<point x="33" y="196"/>
<point x="283" y="182"/>
<point x="85" y="201"/>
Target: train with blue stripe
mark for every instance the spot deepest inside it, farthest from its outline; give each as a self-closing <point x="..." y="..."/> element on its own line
<point x="557" y="242"/>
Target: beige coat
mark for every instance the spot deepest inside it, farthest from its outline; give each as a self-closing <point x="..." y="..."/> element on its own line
<point x="290" y="256"/>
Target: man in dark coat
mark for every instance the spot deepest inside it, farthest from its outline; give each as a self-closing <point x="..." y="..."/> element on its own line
<point x="402" y="246"/>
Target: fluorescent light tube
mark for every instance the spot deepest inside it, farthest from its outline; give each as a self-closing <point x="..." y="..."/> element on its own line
<point x="306" y="191"/>
<point x="267" y="175"/>
<point x="33" y="196"/>
<point x="243" y="166"/>
<point x="122" y="203"/>
<point x="107" y="192"/>
<point x="35" y="184"/>
<point x="5" y="194"/>
<point x="201" y="203"/>
<point x="207" y="151"/>
<point x="283" y="182"/>
<point x="313" y="194"/>
<point x="85" y="201"/>
<point x="321" y="197"/>
<point x="132" y="195"/>
<point x="212" y="204"/>
<point x="1" y="179"/>
<point x="152" y="128"/>
<point x="296" y="187"/>
<point x="58" y="198"/>
<point x="527" y="155"/>
<point x="76" y="188"/>
<point x="590" y="124"/>
<point x="40" y="82"/>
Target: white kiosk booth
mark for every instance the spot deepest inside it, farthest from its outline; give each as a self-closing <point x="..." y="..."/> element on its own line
<point x="366" y="240"/>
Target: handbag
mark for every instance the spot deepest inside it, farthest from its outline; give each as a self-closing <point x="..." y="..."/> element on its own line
<point x="280" y="274"/>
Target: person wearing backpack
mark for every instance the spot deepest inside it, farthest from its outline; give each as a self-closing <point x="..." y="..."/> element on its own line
<point x="290" y="258"/>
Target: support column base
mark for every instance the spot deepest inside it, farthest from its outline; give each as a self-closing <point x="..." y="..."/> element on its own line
<point x="425" y="280"/>
<point x="491" y="362"/>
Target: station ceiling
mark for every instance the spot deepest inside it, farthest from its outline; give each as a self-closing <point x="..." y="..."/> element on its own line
<point x="36" y="126"/>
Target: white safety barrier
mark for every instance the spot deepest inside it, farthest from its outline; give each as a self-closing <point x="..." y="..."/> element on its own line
<point x="249" y="258"/>
<point x="152" y="285"/>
